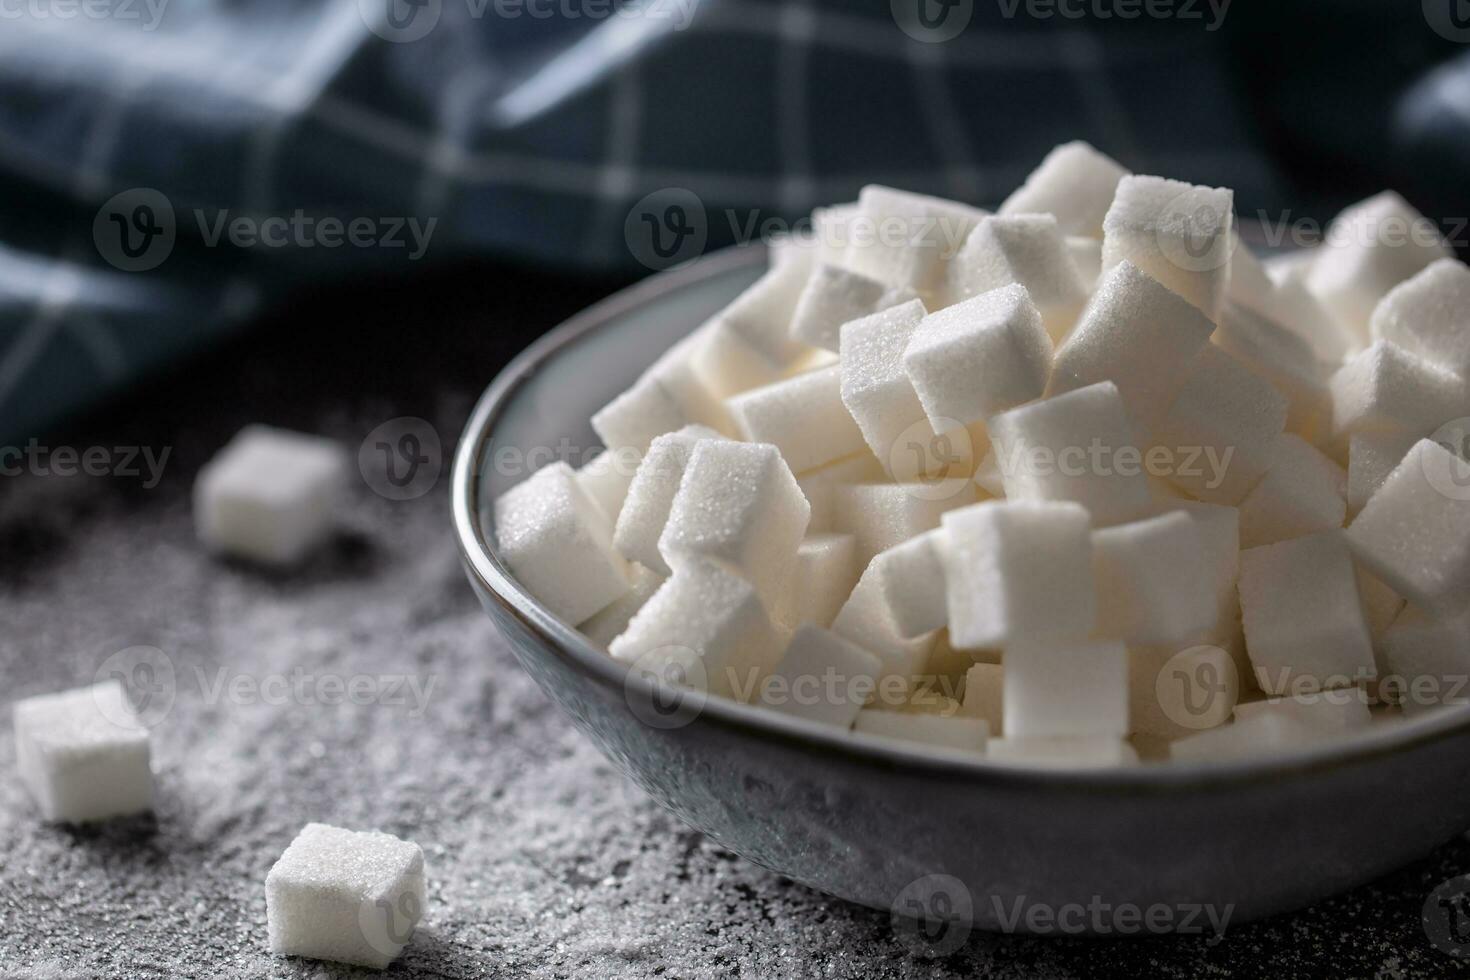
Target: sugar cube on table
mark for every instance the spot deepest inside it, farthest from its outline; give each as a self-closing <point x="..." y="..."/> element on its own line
<point x="83" y="754"/>
<point x="906" y="239"/>
<point x="1154" y="582"/>
<point x="606" y="478"/>
<point x="1075" y="184"/>
<point x="819" y="485"/>
<point x="1066" y="687"/>
<point x="1285" y="360"/>
<point x="1221" y="430"/>
<point x="1372" y="456"/>
<point x="608" y="624"/>
<point x="866" y="619"/>
<point x="822" y="677"/>
<point x="826" y="572"/>
<point x="1086" y="255"/>
<point x="1304" y="625"/>
<point x="1140" y="336"/>
<point x="704" y="628"/>
<point x="985" y="694"/>
<point x="738" y="504"/>
<point x="1265" y="734"/>
<point x="1079" y="447"/>
<point x="1370" y="248"/>
<point x="1330" y="712"/>
<point x="1181" y="234"/>
<point x="1429" y="315"/>
<point x="1024" y="249"/>
<point x="557" y="543"/>
<point x="834" y="296"/>
<point x="1062" y="752"/>
<point x="269" y="495"/>
<point x="1414" y="533"/>
<point x="979" y="357"/>
<point x="1177" y="690"/>
<point x="953" y="732"/>
<point x="1300" y="494"/>
<point x="884" y="515"/>
<point x="911" y="575"/>
<point x="1018" y="570"/>
<point x="1386" y="389"/>
<point x="1428" y="660"/>
<point x="876" y="389"/>
<point x="804" y="417"/>
<point x="645" y="509"/>
<point x="345" y="896"/>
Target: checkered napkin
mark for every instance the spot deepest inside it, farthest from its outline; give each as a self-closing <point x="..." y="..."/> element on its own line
<point x="171" y="165"/>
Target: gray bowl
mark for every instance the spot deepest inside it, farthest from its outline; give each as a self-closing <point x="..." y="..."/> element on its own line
<point x="934" y="837"/>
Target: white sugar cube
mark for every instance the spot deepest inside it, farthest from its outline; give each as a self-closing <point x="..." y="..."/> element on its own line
<point x="83" y="754"/>
<point x="1155" y="583"/>
<point x="726" y="364"/>
<point x="1332" y="712"/>
<point x="345" y="896"/>
<point x="558" y="544"/>
<point x="1372" y="456"/>
<point x="819" y="485"/>
<point x="827" y="570"/>
<point x="738" y="504"/>
<point x="1294" y="307"/>
<point x="1179" y="690"/>
<point x="1284" y="359"/>
<point x="906" y="239"/>
<point x="834" y="296"/>
<point x="1086" y="255"/>
<point x="876" y="389"/>
<point x="1221" y="430"/>
<point x="1025" y="249"/>
<point x="867" y="620"/>
<point x="1414" y="533"/>
<point x="958" y="733"/>
<point x="1018" y="571"/>
<point x="979" y="357"/>
<point x="1181" y="234"/>
<point x="1386" y="389"/>
<point x="1075" y="184"/>
<point x="269" y="495"/>
<point x="985" y="694"/>
<point x="1138" y="335"/>
<point x="1063" y="752"/>
<point x="638" y="416"/>
<point x="606" y="479"/>
<point x="1250" y="285"/>
<point x="1430" y="316"/>
<point x="1428" y="660"/>
<point x="1304" y="626"/>
<point x="1370" y="248"/>
<point x="705" y="628"/>
<point x="645" y="510"/>
<point x="1265" y="734"/>
<point x="822" y="677"/>
<point x="912" y="579"/>
<point x="804" y="417"/>
<point x="1066" y="688"/>
<point x="607" y="625"/>
<point x="884" y="515"/>
<point x="1299" y="495"/>
<point x="760" y="317"/>
<point x="1078" y="447"/>
<point x="988" y="477"/>
<point x="831" y="230"/>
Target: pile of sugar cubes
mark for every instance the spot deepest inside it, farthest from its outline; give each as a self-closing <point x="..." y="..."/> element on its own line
<point x="1082" y="482"/>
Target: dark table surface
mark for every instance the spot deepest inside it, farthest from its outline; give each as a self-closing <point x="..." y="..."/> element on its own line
<point x="543" y="860"/>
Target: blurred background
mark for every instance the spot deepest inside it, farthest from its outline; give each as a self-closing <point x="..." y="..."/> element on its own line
<point x="369" y="183"/>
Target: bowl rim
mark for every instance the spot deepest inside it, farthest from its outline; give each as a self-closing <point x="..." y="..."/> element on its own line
<point x="497" y="583"/>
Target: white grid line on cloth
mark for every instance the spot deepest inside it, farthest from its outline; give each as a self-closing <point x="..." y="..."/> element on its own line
<point x="92" y="175"/>
<point x="58" y="293"/>
<point x="615" y="181"/>
<point x="444" y="162"/>
<point x="796" y="27"/>
<point x="964" y="179"/>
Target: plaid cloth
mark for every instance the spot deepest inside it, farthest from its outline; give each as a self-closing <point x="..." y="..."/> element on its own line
<point x="171" y="165"/>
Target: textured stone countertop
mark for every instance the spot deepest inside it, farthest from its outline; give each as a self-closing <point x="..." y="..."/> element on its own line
<point x="544" y="862"/>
